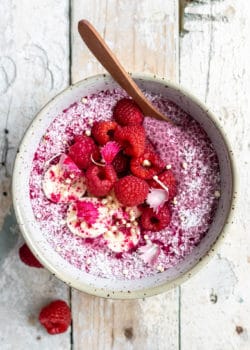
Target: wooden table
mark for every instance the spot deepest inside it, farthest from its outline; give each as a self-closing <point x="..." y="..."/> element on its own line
<point x="41" y="54"/>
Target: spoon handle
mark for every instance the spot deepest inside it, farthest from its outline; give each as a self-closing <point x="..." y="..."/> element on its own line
<point x="109" y="61"/>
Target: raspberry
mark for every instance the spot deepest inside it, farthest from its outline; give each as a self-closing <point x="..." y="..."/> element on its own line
<point x="121" y="163"/>
<point x="82" y="150"/>
<point x="147" y="165"/>
<point x="55" y="317"/>
<point x="168" y="179"/>
<point x="149" y="146"/>
<point x="153" y="221"/>
<point x="131" y="190"/>
<point x="27" y="257"/>
<point x="103" y="132"/>
<point x="132" y="139"/>
<point x="127" y="112"/>
<point x="100" y="180"/>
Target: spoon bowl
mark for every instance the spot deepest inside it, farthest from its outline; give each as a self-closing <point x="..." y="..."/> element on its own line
<point x="109" y="61"/>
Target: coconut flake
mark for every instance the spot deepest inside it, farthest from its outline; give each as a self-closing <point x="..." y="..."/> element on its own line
<point x="149" y="252"/>
<point x="156" y="198"/>
<point x="109" y="151"/>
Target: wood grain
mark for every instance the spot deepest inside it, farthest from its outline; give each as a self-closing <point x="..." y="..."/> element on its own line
<point x="33" y="68"/>
<point x="113" y="66"/>
<point x="212" y="311"/>
<point x="124" y="325"/>
<point x="215" y="308"/>
<point x="144" y="37"/>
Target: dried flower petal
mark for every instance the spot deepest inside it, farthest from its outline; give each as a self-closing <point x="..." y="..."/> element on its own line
<point x="149" y="252"/>
<point x="68" y="166"/>
<point x="109" y="151"/>
<point x="87" y="211"/>
<point x="156" y="198"/>
<point x="52" y="159"/>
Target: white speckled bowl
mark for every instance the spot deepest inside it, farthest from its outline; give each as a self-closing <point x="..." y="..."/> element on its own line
<point x="104" y="287"/>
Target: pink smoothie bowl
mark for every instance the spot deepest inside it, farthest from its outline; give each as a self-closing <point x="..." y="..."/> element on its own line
<point x="146" y="286"/>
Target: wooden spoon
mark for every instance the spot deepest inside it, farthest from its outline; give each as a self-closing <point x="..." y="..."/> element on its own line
<point x="109" y="61"/>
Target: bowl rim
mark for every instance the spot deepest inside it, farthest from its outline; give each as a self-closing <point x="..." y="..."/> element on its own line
<point x="145" y="292"/>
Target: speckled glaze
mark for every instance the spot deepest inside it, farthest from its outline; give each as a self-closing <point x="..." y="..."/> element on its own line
<point x="96" y="285"/>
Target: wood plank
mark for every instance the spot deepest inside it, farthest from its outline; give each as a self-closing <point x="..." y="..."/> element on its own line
<point x="136" y="31"/>
<point x="215" y="307"/>
<point x="144" y="35"/>
<point x="151" y="323"/>
<point x="33" y="68"/>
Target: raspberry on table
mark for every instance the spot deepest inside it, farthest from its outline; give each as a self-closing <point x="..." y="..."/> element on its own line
<point x="121" y="163"/>
<point x="100" y="179"/>
<point x="153" y="221"/>
<point x="55" y="317"/>
<point x="147" y="165"/>
<point x="81" y="151"/>
<point x="127" y="112"/>
<point x="168" y="179"/>
<point x="103" y="131"/>
<point x="28" y="258"/>
<point x="132" y="139"/>
<point x="131" y="191"/>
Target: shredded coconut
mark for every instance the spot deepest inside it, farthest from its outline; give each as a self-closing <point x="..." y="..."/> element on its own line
<point x="195" y="202"/>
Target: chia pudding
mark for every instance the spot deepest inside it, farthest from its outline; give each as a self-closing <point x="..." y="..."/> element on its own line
<point x="184" y="148"/>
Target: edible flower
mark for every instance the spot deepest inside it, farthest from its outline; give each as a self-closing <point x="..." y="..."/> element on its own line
<point x="109" y="151"/>
<point x="149" y="252"/>
<point x="156" y="198"/>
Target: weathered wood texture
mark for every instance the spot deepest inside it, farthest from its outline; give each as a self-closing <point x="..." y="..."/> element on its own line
<point x="212" y="311"/>
<point x="215" y="66"/>
<point x="33" y="68"/>
<point x="143" y="35"/>
<point x="137" y="32"/>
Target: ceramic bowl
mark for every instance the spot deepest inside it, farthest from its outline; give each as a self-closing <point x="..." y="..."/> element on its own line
<point x="112" y="288"/>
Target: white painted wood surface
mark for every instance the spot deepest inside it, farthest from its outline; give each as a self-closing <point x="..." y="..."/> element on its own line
<point x="215" y="66"/>
<point x="33" y="68"/>
<point x="212" y="310"/>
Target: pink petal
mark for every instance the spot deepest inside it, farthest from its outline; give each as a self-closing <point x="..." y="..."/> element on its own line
<point x="149" y="253"/>
<point x="109" y="151"/>
<point x="87" y="211"/>
<point x="68" y="166"/>
<point x="156" y="198"/>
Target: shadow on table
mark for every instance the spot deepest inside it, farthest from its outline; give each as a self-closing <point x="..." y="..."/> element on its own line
<point x="8" y="235"/>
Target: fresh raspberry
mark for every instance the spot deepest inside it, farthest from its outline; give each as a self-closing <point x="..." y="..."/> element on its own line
<point x="103" y="132"/>
<point x="132" y="139"/>
<point x="131" y="190"/>
<point x="27" y="257"/>
<point x="153" y="221"/>
<point x="82" y="150"/>
<point x="100" y="180"/>
<point x="168" y="179"/>
<point x="147" y="165"/>
<point x="127" y="112"/>
<point x="121" y="163"/>
<point x="55" y="317"/>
